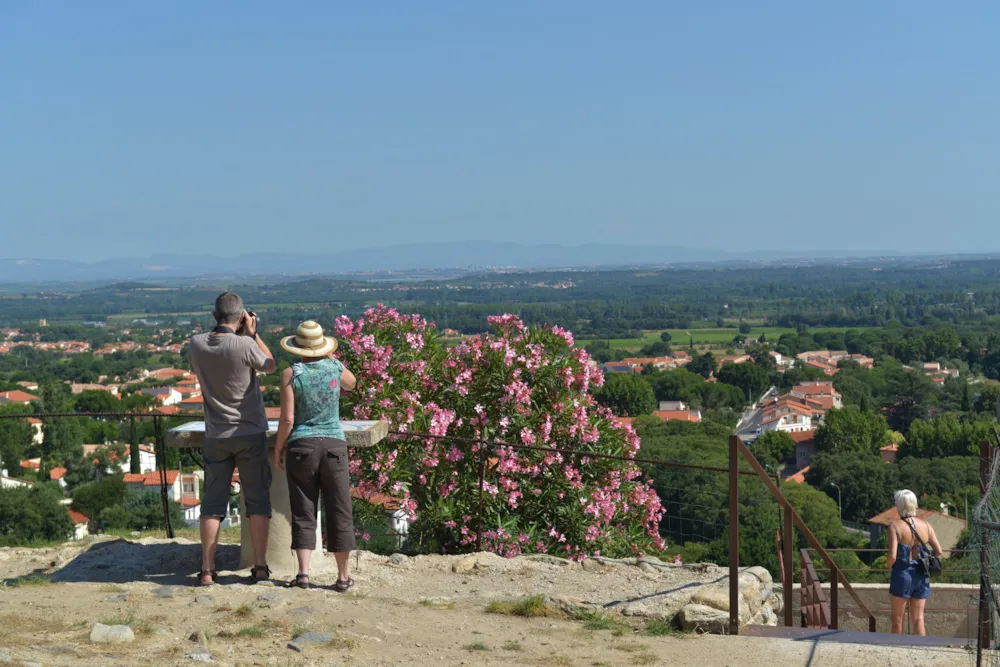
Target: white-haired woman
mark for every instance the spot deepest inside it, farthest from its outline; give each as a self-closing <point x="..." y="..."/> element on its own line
<point x="909" y="585"/>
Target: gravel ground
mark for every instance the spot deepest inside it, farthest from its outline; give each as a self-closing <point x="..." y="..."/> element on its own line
<point x="416" y="611"/>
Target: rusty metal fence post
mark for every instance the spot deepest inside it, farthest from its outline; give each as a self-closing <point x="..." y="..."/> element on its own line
<point x="734" y="535"/>
<point x="789" y="565"/>
<point x="161" y="459"/>
<point x="983" y="630"/>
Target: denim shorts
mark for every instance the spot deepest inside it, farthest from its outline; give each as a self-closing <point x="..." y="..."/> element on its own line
<point x="246" y="453"/>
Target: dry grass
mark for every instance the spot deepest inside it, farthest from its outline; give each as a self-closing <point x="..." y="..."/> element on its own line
<point x="529" y="607"/>
<point x="438" y="604"/>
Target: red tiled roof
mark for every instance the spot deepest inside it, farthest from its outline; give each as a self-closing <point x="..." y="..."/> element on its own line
<point x="32" y="420"/>
<point x="18" y="396"/>
<point x="57" y="473"/>
<point x="890" y="448"/>
<point x="892" y="514"/>
<point x="167" y="410"/>
<point x="799" y="477"/>
<point x="803" y="436"/>
<point x="190" y="502"/>
<point x="150" y="478"/>
<point x="378" y="499"/>
<point x="676" y="415"/>
<point x="134" y="478"/>
<point x="273" y="413"/>
<point x="194" y="400"/>
<point x="77" y="517"/>
<point x="32" y="464"/>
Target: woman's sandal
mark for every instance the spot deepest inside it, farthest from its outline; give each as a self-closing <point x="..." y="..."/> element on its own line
<point x="255" y="570"/>
<point x="301" y="581"/>
<point x="211" y="575"/>
<point x="343" y="585"/>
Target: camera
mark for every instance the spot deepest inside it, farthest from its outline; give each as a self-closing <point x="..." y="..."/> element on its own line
<point x="243" y="330"/>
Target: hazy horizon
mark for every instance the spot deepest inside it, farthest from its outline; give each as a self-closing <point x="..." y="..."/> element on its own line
<point x="775" y="127"/>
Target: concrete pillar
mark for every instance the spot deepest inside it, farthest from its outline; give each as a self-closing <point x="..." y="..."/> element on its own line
<point x="280" y="557"/>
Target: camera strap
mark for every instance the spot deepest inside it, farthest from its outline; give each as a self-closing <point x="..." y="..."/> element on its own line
<point x="223" y="329"/>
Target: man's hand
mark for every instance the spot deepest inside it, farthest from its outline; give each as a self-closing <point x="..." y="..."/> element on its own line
<point x="249" y="324"/>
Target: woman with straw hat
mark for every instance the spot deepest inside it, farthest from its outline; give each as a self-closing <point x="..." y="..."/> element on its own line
<point x="312" y="449"/>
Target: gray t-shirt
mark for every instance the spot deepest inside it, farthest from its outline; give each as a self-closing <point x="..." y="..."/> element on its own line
<point x="233" y="402"/>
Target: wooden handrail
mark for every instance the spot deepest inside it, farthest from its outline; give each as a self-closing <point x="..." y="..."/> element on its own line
<point x="737" y="444"/>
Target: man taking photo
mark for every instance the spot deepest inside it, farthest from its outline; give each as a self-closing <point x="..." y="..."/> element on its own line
<point x="226" y="363"/>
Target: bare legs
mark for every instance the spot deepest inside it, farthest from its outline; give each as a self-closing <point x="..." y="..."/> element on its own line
<point x="916" y="608"/>
<point x="898" y="612"/>
<point x="342" y="558"/>
<point x="917" y="617"/>
<point x="304" y="555"/>
<point x="259" y="525"/>
<point x="209" y="541"/>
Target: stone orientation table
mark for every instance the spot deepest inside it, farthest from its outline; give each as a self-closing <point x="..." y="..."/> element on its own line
<point x="280" y="556"/>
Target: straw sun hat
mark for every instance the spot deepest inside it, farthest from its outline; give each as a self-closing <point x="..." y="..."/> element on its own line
<point x="309" y="341"/>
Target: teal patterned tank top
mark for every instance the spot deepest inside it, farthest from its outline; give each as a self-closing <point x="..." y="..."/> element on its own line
<point x="317" y="399"/>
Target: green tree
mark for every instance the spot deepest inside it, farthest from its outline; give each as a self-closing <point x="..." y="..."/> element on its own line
<point x="947" y="435"/>
<point x="745" y="328"/>
<point x="96" y="400"/>
<point x="627" y="395"/>
<point x="16" y="436"/>
<point x="850" y="430"/>
<point x="666" y="337"/>
<point x="31" y="515"/>
<point x="773" y="447"/>
<point x="92" y="498"/>
<point x="657" y="349"/>
<point x="908" y="392"/>
<point x="818" y="510"/>
<point x="986" y="399"/>
<point x="703" y="364"/>
<point x="761" y="355"/>
<point x="750" y="378"/>
<point x="866" y="483"/>
<point x="676" y="385"/>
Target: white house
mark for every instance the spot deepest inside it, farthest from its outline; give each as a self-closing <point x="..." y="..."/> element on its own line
<point x="150" y="481"/>
<point x="81" y="524"/>
<point x="164" y="395"/>
<point x="7" y="482"/>
<point x="37" y="436"/>
<point x="192" y="511"/>
<point x="790" y="422"/>
<point x="671" y="406"/>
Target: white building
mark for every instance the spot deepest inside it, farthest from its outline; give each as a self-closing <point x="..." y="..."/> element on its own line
<point x="673" y="406"/>
<point x="150" y="481"/>
<point x="7" y="482"/>
<point x="164" y="395"/>
<point x="790" y="422"/>
<point x="81" y="524"/>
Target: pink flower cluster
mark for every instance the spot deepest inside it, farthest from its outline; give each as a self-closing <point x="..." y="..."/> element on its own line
<point x="521" y="386"/>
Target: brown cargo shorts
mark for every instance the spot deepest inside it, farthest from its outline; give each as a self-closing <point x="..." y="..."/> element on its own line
<point x="319" y="466"/>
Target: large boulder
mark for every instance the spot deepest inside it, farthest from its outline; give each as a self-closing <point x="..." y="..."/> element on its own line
<point x="702" y="618"/>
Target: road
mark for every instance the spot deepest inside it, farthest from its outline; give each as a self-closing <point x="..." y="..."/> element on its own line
<point x="750" y="421"/>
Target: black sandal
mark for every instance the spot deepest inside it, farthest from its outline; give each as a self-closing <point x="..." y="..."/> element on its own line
<point x="343" y="585"/>
<point x="257" y="569"/>
<point x="211" y="574"/>
<point x="301" y="581"/>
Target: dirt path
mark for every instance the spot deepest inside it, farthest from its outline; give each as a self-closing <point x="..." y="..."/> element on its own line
<point x="416" y="612"/>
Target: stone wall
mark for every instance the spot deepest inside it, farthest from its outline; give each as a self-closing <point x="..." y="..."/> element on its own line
<point x="950" y="611"/>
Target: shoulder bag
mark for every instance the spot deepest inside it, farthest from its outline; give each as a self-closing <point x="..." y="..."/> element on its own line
<point x="928" y="563"/>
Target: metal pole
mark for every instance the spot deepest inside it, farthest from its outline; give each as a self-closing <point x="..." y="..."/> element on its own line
<point x="982" y="636"/>
<point x="840" y="505"/>
<point x="786" y="591"/>
<point x="834" y="577"/>
<point x="734" y="535"/>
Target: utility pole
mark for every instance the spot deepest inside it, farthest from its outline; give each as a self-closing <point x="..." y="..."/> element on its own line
<point x="840" y="505"/>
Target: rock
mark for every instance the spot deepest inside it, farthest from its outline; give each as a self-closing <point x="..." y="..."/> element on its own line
<point x="465" y="565"/>
<point x="593" y="565"/>
<point x="271" y="599"/>
<point x="205" y="600"/>
<point x="165" y="592"/>
<point x="718" y="598"/>
<point x="299" y="643"/>
<point x="116" y="597"/>
<point x="568" y="604"/>
<point x="4" y="556"/>
<point x="701" y="618"/>
<point x="5" y="655"/>
<point x="305" y="611"/>
<point x="111" y="634"/>
<point x="55" y="648"/>
<point x="397" y="559"/>
<point x="199" y="637"/>
<point x="548" y="558"/>
<point x="635" y="609"/>
<point x="135" y="533"/>
<point x="200" y="654"/>
<point x="646" y="567"/>
<point x="761" y="573"/>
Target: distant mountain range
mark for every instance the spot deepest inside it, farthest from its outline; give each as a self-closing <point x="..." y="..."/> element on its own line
<point x="472" y="255"/>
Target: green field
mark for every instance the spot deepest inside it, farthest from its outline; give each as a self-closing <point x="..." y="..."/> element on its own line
<point x="702" y="337"/>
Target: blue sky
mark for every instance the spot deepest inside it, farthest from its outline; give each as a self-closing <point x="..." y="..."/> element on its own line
<point x="139" y="127"/>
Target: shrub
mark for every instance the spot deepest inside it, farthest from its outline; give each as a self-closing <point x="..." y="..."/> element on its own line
<point x="33" y="515"/>
<point x="521" y="385"/>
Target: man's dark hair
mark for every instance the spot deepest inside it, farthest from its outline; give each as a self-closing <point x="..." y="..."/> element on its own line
<point x="228" y="308"/>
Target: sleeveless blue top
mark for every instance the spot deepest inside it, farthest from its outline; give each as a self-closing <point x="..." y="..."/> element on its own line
<point x="906" y="581"/>
<point x="317" y="400"/>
